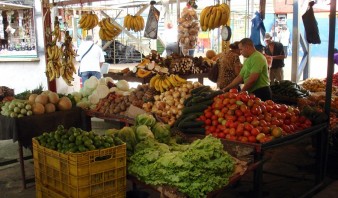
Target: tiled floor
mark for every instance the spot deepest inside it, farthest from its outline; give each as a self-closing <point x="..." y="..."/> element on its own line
<point x="287" y="173"/>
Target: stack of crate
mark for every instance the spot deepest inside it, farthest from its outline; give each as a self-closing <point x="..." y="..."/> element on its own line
<point x="97" y="173"/>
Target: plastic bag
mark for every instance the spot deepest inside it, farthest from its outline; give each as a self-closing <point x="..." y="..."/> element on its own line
<point x="151" y="28"/>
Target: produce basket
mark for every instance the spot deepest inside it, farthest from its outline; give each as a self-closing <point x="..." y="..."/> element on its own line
<point x="97" y="173"/>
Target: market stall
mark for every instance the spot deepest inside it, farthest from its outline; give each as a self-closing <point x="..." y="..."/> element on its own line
<point x="175" y="103"/>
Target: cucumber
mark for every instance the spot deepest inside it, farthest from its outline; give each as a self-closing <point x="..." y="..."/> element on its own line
<point x="198" y="89"/>
<point x="207" y="102"/>
<point x="199" y="130"/>
<point x="191" y="124"/>
<point x="206" y="88"/>
<point x="194" y="109"/>
<point x="188" y="100"/>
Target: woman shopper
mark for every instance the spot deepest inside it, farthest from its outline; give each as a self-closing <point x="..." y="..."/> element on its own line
<point x="229" y="65"/>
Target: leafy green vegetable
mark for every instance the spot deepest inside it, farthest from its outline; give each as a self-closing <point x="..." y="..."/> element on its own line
<point x="127" y="135"/>
<point x="161" y="132"/>
<point x="195" y="169"/>
<point x="143" y="132"/>
<point x="145" y="119"/>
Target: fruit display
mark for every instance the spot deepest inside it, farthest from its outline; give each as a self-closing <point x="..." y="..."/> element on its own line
<point x="244" y="117"/>
<point x="76" y="140"/>
<point x="16" y="108"/>
<point x="187" y="65"/>
<point x="88" y="21"/>
<point x="135" y="23"/>
<point x="54" y="66"/>
<point x="162" y="83"/>
<point x="314" y="85"/>
<point x="67" y="60"/>
<point x="188" y="28"/>
<point x="286" y="89"/>
<point x="212" y="17"/>
<point x="201" y="97"/>
<point x="169" y="104"/>
<point x="108" y="31"/>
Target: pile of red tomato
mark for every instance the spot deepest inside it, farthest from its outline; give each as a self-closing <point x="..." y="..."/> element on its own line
<point x="240" y="116"/>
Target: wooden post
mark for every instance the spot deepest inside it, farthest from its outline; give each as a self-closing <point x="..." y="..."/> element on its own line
<point x="48" y="36"/>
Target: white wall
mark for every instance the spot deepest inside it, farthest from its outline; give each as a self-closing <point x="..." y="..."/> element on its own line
<point x="22" y="76"/>
<point x="26" y="75"/>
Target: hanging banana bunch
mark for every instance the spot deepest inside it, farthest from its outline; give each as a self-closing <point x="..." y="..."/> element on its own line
<point x="67" y="60"/>
<point x="57" y="30"/>
<point x="135" y="23"/>
<point x="212" y="17"/>
<point x="108" y="31"/>
<point x="88" y="21"/>
<point x="53" y="67"/>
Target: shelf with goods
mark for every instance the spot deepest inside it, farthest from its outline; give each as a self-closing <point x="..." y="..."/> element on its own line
<point x="17" y="33"/>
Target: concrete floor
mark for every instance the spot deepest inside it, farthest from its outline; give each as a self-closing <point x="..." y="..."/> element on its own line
<point x="288" y="173"/>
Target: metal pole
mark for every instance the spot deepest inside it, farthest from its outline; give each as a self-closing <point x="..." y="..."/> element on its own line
<point x="295" y="41"/>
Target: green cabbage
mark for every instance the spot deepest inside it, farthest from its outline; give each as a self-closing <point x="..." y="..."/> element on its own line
<point x="145" y="119"/>
<point x="161" y="132"/>
<point x="143" y="132"/>
<point x="127" y="135"/>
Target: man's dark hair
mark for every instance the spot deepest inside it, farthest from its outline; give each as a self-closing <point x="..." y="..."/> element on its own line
<point x="246" y="42"/>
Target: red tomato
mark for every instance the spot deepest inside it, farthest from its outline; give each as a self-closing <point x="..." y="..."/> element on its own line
<point x="208" y="114"/>
<point x="207" y="122"/>
<point x="238" y="112"/>
<point x="214" y="122"/>
<point x="248" y="126"/>
<point x="249" y="118"/>
<point x="233" y="91"/>
<point x="246" y="133"/>
<point x="221" y="135"/>
<point x="254" y="132"/>
<point x="241" y="119"/>
<point x="203" y="118"/>
<point x="252" y="139"/>
<point x="232" y="131"/>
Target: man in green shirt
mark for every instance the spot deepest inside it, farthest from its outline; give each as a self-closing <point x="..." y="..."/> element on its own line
<point x="254" y="72"/>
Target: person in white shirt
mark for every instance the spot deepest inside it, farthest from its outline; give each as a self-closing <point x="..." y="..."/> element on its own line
<point x="284" y="38"/>
<point x="91" y="58"/>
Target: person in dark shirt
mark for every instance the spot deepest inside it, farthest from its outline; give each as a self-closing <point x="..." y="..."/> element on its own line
<point x="275" y="51"/>
<point x="335" y="56"/>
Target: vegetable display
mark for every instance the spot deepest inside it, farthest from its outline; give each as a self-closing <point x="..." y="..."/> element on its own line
<point x="195" y="169"/>
<point x="75" y="140"/>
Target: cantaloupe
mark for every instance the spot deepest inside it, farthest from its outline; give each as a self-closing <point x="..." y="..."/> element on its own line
<point x="32" y="97"/>
<point x="53" y="97"/>
<point x="64" y="104"/>
<point x="42" y="99"/>
<point x="50" y="108"/>
<point x="38" y="109"/>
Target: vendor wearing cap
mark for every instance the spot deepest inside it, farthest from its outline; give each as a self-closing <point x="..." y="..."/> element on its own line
<point x="275" y="51"/>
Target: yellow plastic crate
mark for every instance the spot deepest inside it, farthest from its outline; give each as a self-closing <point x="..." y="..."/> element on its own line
<point x="94" y="173"/>
<point x="44" y="192"/>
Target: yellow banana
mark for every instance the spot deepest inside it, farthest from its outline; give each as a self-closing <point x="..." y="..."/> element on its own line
<point x="202" y="15"/>
<point x="173" y="81"/>
<point x="82" y="19"/>
<point x="211" y="18"/>
<point x="161" y="85"/>
<point x="153" y="80"/>
<point x="217" y="19"/>
<point x="167" y="82"/>
<point x="226" y="9"/>
<point x="157" y="84"/>
<point x="179" y="79"/>
<point x="207" y="17"/>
